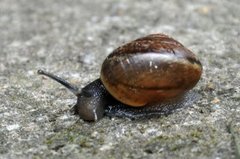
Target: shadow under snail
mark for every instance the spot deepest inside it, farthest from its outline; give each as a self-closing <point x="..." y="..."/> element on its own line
<point x="149" y="76"/>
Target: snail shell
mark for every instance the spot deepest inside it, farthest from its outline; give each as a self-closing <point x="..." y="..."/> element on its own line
<point x="150" y="70"/>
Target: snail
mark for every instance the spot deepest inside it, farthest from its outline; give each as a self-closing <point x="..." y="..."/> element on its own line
<point x="152" y="75"/>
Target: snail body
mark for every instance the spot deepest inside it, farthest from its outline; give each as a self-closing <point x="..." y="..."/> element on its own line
<point x="150" y="75"/>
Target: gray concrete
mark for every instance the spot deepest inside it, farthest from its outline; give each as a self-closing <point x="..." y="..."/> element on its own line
<point x="71" y="38"/>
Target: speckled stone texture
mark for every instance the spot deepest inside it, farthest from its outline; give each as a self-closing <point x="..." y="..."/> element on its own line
<point x="71" y="38"/>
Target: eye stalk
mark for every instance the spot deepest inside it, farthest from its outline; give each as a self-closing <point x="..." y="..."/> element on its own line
<point x="68" y="85"/>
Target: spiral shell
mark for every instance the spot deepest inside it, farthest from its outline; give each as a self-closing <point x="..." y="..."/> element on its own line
<point x="149" y="70"/>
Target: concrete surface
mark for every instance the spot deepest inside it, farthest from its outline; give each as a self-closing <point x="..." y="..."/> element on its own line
<point x="71" y="38"/>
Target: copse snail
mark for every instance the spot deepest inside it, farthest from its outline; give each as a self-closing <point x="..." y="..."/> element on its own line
<point x="148" y="76"/>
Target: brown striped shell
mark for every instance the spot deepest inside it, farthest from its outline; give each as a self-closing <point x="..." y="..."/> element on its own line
<point x="149" y="70"/>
